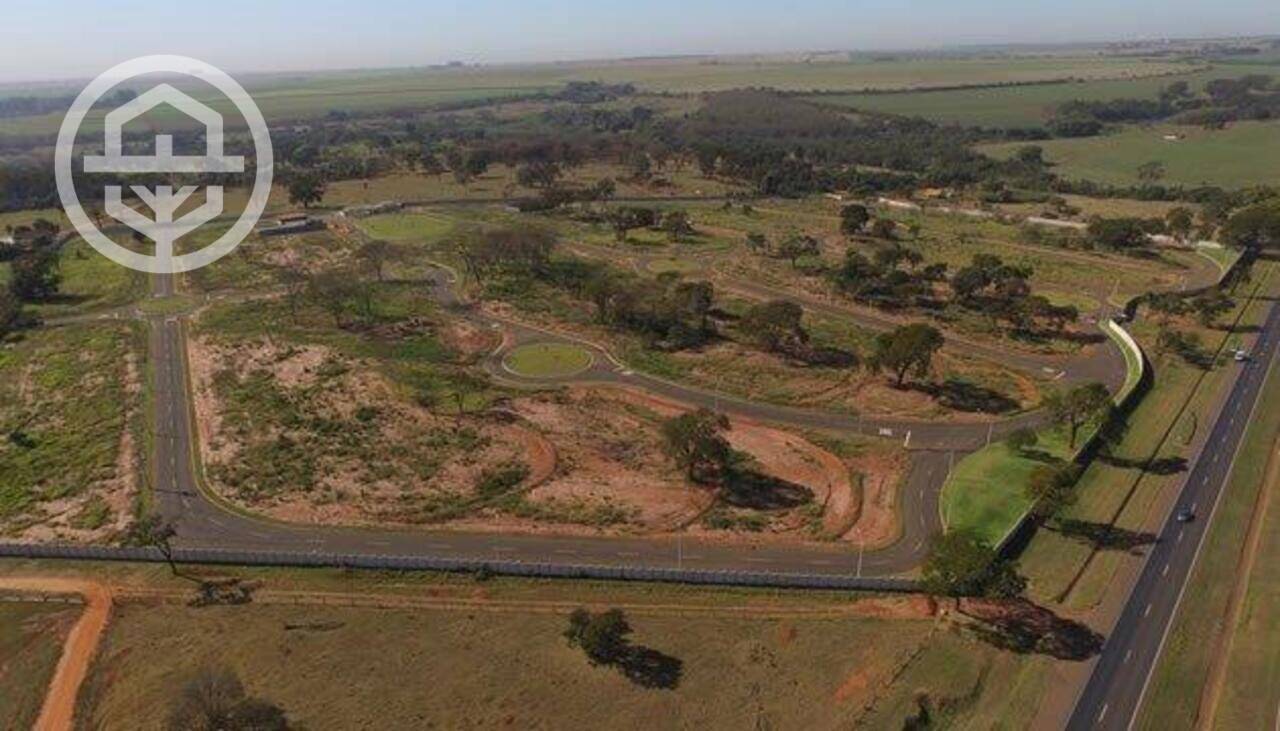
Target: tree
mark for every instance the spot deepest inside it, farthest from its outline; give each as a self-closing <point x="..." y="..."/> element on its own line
<point x="602" y="636"/>
<point x="908" y="349"/>
<point x="215" y="700"/>
<point x="626" y="219"/>
<point x="695" y="300"/>
<point x="883" y="228"/>
<point x="377" y="254"/>
<point x="1254" y="227"/>
<point x="11" y="316"/>
<point x="1022" y="440"/>
<point x="776" y="326"/>
<point x="34" y="275"/>
<point x="677" y="225"/>
<point x="1151" y="172"/>
<point x="1078" y="406"/>
<point x="959" y="563"/>
<point x="1119" y="234"/>
<point x="538" y="174"/>
<point x="758" y="243"/>
<point x="696" y="442"/>
<point x="795" y="246"/>
<point x="853" y="218"/>
<point x="1180" y="221"/>
<point x="306" y="187"/>
<point x="1210" y="306"/>
<point x="152" y="531"/>
<point x="1052" y="488"/>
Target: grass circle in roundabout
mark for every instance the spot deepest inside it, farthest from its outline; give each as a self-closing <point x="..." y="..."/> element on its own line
<point x="547" y="360"/>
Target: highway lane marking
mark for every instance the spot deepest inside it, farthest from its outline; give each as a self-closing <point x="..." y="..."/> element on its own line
<point x="1166" y="570"/>
<point x="1104" y="712"/>
<point x="1147" y="612"/>
<point x="1180" y="534"/>
<point x="1128" y="654"/>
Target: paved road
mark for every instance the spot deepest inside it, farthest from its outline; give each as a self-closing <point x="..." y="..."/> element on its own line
<point x="1115" y="690"/>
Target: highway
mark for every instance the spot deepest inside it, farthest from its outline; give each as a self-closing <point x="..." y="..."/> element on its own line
<point x="1122" y="674"/>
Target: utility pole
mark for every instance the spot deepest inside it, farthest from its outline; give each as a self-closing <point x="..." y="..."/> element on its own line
<point x="862" y="543"/>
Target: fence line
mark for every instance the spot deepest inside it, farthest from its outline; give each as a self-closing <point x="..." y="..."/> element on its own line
<point x="224" y="557"/>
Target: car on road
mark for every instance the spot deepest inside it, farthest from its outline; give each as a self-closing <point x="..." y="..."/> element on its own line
<point x="1186" y="516"/>
<point x="1242" y="355"/>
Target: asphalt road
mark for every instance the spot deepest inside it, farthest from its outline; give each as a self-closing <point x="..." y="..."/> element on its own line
<point x="1122" y="672"/>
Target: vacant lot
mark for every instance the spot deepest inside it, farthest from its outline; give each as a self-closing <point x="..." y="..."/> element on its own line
<point x="31" y="637"/>
<point x="1244" y="154"/>
<point x="477" y="668"/>
<point x="71" y="397"/>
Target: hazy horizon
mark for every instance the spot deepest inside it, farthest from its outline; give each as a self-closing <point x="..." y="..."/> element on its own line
<point x="76" y="39"/>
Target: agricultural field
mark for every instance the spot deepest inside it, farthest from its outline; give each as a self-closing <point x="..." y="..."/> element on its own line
<point x="284" y="97"/>
<point x="71" y="398"/>
<point x="1243" y="154"/>
<point x="31" y="637"/>
<point x="1031" y="105"/>
<point x="713" y="658"/>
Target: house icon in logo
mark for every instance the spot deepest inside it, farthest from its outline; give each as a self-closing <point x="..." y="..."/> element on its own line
<point x="164" y="201"/>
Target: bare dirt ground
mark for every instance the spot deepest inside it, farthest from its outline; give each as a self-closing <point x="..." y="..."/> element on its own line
<point x="58" y="711"/>
<point x="360" y="486"/>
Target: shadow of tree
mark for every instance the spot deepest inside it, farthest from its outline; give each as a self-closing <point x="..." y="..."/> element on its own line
<point x="1102" y="536"/>
<point x="745" y="488"/>
<point x="967" y="397"/>
<point x="650" y="668"/>
<point x="1025" y="628"/>
<point x="1163" y="466"/>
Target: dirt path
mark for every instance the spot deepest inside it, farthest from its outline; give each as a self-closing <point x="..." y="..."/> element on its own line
<point x="59" y="706"/>
<point x="1211" y="694"/>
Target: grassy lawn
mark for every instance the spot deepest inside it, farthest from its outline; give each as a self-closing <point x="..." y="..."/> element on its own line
<point x="31" y="637"/>
<point x="76" y="390"/>
<point x="547" y="360"/>
<point x="406" y="226"/>
<point x="1242" y="155"/>
<point x="986" y="491"/>
<point x="1252" y="688"/>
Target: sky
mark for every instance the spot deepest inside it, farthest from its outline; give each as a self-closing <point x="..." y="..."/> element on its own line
<point x="69" y="39"/>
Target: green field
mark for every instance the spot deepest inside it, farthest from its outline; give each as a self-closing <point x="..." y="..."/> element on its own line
<point x="1252" y="688"/>
<point x="1242" y="155"/>
<point x="1026" y="106"/>
<point x="90" y="281"/>
<point x="547" y="360"/>
<point x="299" y="96"/>
<point x="31" y="637"/>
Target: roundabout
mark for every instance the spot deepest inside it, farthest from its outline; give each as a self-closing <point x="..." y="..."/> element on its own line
<point x="547" y="360"/>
